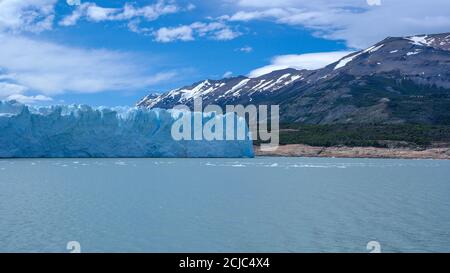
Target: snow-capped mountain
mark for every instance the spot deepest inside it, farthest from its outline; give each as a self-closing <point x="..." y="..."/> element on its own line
<point x="400" y="79"/>
<point x="227" y="91"/>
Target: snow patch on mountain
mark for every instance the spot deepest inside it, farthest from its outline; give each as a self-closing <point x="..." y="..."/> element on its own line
<point x="420" y="40"/>
<point x="348" y="59"/>
<point x="237" y="86"/>
<point x="412" y="53"/>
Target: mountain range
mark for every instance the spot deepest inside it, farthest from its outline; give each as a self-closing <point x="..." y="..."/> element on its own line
<point x="398" y="80"/>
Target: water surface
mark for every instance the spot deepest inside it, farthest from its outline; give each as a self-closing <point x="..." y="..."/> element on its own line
<point x="224" y="205"/>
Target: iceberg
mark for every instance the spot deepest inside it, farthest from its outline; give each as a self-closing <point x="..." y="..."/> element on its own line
<point x="83" y="131"/>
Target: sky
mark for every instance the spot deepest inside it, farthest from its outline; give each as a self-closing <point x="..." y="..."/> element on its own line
<point x="114" y="52"/>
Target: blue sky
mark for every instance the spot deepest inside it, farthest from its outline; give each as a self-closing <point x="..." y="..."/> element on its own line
<point x="114" y="52"/>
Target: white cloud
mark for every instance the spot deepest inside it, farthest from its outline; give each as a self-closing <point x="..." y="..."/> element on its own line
<point x="303" y="61"/>
<point x="246" y="16"/>
<point x="98" y="14"/>
<point x="51" y="69"/>
<point x="225" y="34"/>
<point x="227" y="74"/>
<point x="204" y="28"/>
<point x="266" y="3"/>
<point x="92" y="12"/>
<point x="374" y="2"/>
<point x="182" y="33"/>
<point x="73" y="2"/>
<point x="32" y="70"/>
<point x="245" y="49"/>
<point x="7" y="89"/>
<point x="26" y="15"/>
<point x="29" y="99"/>
<point x="149" y="12"/>
<point x="213" y="30"/>
<point x="360" y="23"/>
<point x="12" y="91"/>
<point x="133" y="25"/>
<point x="190" y="6"/>
<point x="216" y="30"/>
<point x="297" y="3"/>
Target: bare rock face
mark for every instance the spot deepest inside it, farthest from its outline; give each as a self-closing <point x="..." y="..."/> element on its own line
<point x="398" y="80"/>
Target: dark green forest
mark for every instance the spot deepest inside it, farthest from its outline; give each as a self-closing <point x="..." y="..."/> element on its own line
<point x="365" y="135"/>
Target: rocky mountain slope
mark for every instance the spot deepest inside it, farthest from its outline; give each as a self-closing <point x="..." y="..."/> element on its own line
<point x="398" y="80"/>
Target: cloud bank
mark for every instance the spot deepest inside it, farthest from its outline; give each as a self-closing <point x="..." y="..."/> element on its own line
<point x="308" y="61"/>
<point x="214" y="30"/>
<point x="31" y="15"/>
<point x="33" y="70"/>
<point x="92" y="12"/>
<point x="358" y="22"/>
<point x="52" y="69"/>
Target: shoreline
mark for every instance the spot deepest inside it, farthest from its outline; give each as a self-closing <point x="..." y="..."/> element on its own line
<point x="301" y="150"/>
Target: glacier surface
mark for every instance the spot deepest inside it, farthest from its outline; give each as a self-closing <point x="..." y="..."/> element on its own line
<point x="84" y="131"/>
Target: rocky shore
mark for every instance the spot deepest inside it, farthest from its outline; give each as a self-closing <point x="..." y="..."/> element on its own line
<point x="300" y="150"/>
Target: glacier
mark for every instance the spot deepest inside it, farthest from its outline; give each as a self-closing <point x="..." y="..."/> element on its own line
<point x="79" y="131"/>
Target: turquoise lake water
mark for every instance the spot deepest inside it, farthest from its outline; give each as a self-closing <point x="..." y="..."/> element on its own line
<point x="224" y="205"/>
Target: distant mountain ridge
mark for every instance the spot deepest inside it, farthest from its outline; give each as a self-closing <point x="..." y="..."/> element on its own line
<point x="398" y="80"/>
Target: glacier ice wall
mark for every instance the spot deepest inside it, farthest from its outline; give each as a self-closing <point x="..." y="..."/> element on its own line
<point x="83" y="131"/>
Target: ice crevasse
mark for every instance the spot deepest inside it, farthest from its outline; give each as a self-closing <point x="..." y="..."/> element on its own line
<point x="84" y="131"/>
